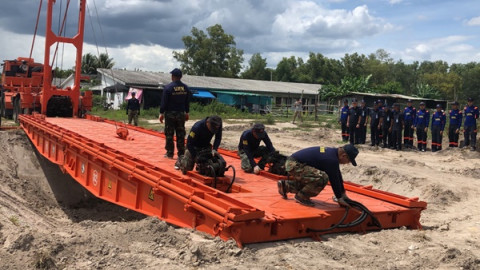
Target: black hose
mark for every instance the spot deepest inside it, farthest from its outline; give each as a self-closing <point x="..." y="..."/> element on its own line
<point x="333" y="226"/>
<point x="358" y="221"/>
<point x="214" y="176"/>
<point x="233" y="179"/>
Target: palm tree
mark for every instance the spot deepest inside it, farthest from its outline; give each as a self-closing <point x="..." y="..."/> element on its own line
<point x="89" y="64"/>
<point x="104" y="61"/>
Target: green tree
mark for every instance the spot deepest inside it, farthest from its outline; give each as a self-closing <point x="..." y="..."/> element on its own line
<point x="104" y="61"/>
<point x="62" y="73"/>
<point x="286" y="69"/>
<point x="89" y="64"/>
<point x="210" y="54"/>
<point x="426" y="91"/>
<point x="257" y="68"/>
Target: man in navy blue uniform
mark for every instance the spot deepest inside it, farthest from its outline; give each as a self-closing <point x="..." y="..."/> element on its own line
<point x="397" y="127"/>
<point x="343" y="120"/>
<point x="174" y="108"/>
<point x="249" y="148"/>
<point x="409" y="114"/>
<point x="353" y="122"/>
<point x="455" y="118"/>
<point x="438" y="125"/>
<point x="310" y="170"/>
<point x="363" y="122"/>
<point x="470" y="125"/>
<point x="199" y="140"/>
<point x="133" y="110"/>
<point x="386" y="121"/>
<point x="421" y="123"/>
<point x="375" y="130"/>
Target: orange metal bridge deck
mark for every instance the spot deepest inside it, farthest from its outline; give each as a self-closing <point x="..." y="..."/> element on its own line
<point x="133" y="173"/>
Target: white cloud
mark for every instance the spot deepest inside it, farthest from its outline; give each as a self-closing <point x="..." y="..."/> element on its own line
<point x="453" y="49"/>
<point x="474" y="21"/>
<point x="393" y="2"/>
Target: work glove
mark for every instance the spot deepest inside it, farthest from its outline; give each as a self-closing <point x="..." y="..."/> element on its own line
<point x="187" y="117"/>
<point x="160" y="118"/>
<point x="256" y="170"/>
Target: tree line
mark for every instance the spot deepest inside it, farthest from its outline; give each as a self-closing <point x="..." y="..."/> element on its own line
<point x="214" y="53"/>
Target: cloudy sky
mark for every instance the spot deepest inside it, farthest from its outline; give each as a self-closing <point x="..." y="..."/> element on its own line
<point x="143" y="33"/>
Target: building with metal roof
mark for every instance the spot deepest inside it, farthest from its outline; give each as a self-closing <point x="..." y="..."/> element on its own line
<point x="390" y="99"/>
<point x="254" y="94"/>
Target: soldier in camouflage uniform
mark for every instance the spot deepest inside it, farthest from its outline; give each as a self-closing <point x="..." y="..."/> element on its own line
<point x="198" y="141"/>
<point x="249" y="148"/>
<point x="310" y="170"/>
<point x="174" y="110"/>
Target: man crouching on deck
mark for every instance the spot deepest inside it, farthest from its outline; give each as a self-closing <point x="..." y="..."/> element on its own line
<point x="311" y="168"/>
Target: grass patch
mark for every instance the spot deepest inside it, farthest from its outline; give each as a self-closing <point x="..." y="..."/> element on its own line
<point x="14" y="220"/>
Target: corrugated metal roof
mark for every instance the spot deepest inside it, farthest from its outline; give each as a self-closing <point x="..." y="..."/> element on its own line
<point x="159" y="79"/>
<point x="391" y="96"/>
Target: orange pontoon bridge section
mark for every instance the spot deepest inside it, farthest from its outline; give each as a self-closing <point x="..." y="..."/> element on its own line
<point x="134" y="174"/>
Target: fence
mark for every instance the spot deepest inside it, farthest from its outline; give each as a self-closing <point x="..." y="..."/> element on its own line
<point x="285" y="110"/>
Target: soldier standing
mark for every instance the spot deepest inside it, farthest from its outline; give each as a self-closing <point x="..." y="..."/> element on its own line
<point x="397" y="126"/>
<point x="363" y="123"/>
<point x="455" y="118"/>
<point x="343" y="120"/>
<point x="133" y="110"/>
<point x="374" y="118"/>
<point x="174" y="109"/>
<point x="409" y="114"/>
<point x="470" y="125"/>
<point x="421" y="123"/>
<point x="386" y="121"/>
<point x="438" y="125"/>
<point x="353" y="122"/>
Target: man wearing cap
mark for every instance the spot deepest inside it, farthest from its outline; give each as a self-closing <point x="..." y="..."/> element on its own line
<point x="353" y="122"/>
<point x="133" y="110"/>
<point x="421" y="123"/>
<point x="363" y="122"/>
<point x="398" y="124"/>
<point x="199" y="139"/>
<point x="470" y="125"/>
<point x="455" y="118"/>
<point x="174" y="108"/>
<point x="249" y="148"/>
<point x="386" y="122"/>
<point x="310" y="170"/>
<point x="438" y="125"/>
<point x="374" y="125"/>
<point x="343" y="120"/>
<point x="409" y="114"/>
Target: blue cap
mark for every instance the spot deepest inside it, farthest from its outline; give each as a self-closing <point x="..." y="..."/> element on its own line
<point x="176" y="72"/>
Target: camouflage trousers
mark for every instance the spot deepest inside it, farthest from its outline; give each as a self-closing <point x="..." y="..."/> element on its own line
<point x="133" y="115"/>
<point x="260" y="152"/>
<point x="306" y="181"/>
<point x="175" y="123"/>
<point x="186" y="162"/>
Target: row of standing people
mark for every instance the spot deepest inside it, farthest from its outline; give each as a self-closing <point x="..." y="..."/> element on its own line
<point x="387" y="124"/>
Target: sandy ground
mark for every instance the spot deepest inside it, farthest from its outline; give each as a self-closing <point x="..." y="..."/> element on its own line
<point x="40" y="227"/>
